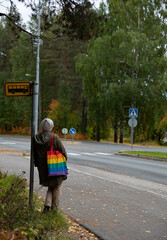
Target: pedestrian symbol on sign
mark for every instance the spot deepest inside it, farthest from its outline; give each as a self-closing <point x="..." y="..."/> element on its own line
<point x="133" y="112"/>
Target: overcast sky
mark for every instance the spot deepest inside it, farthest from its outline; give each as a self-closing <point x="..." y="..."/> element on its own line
<point x="26" y="12"/>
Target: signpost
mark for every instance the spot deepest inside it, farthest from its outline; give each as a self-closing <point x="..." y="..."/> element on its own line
<point x="133" y="114"/>
<point x="24" y="89"/>
<point x="13" y="89"/>
<point x="16" y="89"/>
<point x="65" y="131"/>
<point x="72" y="132"/>
<point x="132" y="122"/>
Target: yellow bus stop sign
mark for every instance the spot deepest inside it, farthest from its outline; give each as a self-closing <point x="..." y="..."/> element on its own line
<point x="14" y="89"/>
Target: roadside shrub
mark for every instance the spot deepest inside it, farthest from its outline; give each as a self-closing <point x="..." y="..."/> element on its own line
<point x="13" y="200"/>
<point x="19" y="221"/>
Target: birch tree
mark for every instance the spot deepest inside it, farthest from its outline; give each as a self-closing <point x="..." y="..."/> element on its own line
<point x="126" y="66"/>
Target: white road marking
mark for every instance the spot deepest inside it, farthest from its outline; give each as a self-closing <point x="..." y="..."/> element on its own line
<point x="106" y="154"/>
<point x="74" y="154"/>
<point x="7" y="143"/>
<point x="90" y="154"/>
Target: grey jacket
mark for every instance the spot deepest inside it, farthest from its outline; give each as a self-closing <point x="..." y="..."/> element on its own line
<point x="41" y="144"/>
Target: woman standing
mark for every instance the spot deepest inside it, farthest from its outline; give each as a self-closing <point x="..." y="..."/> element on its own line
<point x="42" y="145"/>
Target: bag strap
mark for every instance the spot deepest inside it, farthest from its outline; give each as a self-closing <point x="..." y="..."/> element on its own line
<point x="51" y="143"/>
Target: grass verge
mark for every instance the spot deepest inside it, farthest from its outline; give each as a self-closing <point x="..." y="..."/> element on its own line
<point x="19" y="221"/>
<point x="160" y="155"/>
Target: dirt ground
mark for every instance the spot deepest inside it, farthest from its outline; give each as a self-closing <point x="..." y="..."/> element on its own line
<point x="77" y="232"/>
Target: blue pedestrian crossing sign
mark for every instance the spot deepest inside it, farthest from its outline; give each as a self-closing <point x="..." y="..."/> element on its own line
<point x="133" y="112"/>
<point x="72" y="131"/>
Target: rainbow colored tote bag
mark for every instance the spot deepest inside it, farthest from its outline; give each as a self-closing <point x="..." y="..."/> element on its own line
<point x="56" y="162"/>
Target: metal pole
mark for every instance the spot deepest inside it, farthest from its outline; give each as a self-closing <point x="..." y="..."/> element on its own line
<point x="132" y="127"/>
<point x="37" y="71"/>
<point x="34" y="123"/>
<point x="33" y="132"/>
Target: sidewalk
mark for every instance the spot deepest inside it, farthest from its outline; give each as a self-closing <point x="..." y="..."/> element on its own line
<point x="8" y="164"/>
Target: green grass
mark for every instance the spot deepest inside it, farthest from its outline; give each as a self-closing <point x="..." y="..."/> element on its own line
<point x="149" y="154"/>
<point x="19" y="220"/>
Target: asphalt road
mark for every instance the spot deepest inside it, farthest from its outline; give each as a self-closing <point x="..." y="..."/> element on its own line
<point x="23" y="143"/>
<point x="102" y="156"/>
<point x="116" y="197"/>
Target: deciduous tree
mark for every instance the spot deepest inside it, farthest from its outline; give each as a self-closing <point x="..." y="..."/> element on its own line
<point x="126" y="66"/>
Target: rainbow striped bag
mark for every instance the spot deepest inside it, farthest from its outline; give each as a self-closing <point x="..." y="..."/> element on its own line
<point x="56" y="162"/>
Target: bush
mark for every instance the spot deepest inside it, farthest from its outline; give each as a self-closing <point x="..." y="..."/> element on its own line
<point x="13" y="200"/>
<point x="19" y="221"/>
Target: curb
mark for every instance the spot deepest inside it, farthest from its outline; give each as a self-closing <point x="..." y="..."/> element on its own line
<point x="142" y="157"/>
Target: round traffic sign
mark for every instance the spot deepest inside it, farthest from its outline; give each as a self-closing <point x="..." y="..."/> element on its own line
<point x="72" y="131"/>
<point x="64" y="131"/>
<point x="132" y="122"/>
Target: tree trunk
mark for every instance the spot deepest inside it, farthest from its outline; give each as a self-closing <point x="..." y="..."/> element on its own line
<point x="65" y="62"/>
<point x="116" y="129"/>
<point x="84" y="116"/>
<point x="121" y="132"/>
<point x="159" y="136"/>
<point x="98" y="133"/>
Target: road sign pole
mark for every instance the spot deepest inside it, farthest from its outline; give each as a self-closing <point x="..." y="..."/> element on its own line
<point x="72" y="132"/>
<point x="133" y="114"/>
<point x="65" y="131"/>
<point x="132" y="130"/>
<point x="37" y="69"/>
<point x="34" y="123"/>
<point x="33" y="132"/>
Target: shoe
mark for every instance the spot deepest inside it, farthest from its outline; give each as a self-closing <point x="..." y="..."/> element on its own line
<point x="46" y="209"/>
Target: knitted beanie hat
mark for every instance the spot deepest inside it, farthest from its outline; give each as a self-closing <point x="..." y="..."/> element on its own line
<point x="46" y="125"/>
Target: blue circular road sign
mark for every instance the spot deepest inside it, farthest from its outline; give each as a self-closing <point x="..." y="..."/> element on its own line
<point x="72" y="131"/>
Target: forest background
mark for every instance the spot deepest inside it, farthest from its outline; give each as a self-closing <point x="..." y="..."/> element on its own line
<point x="95" y="64"/>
